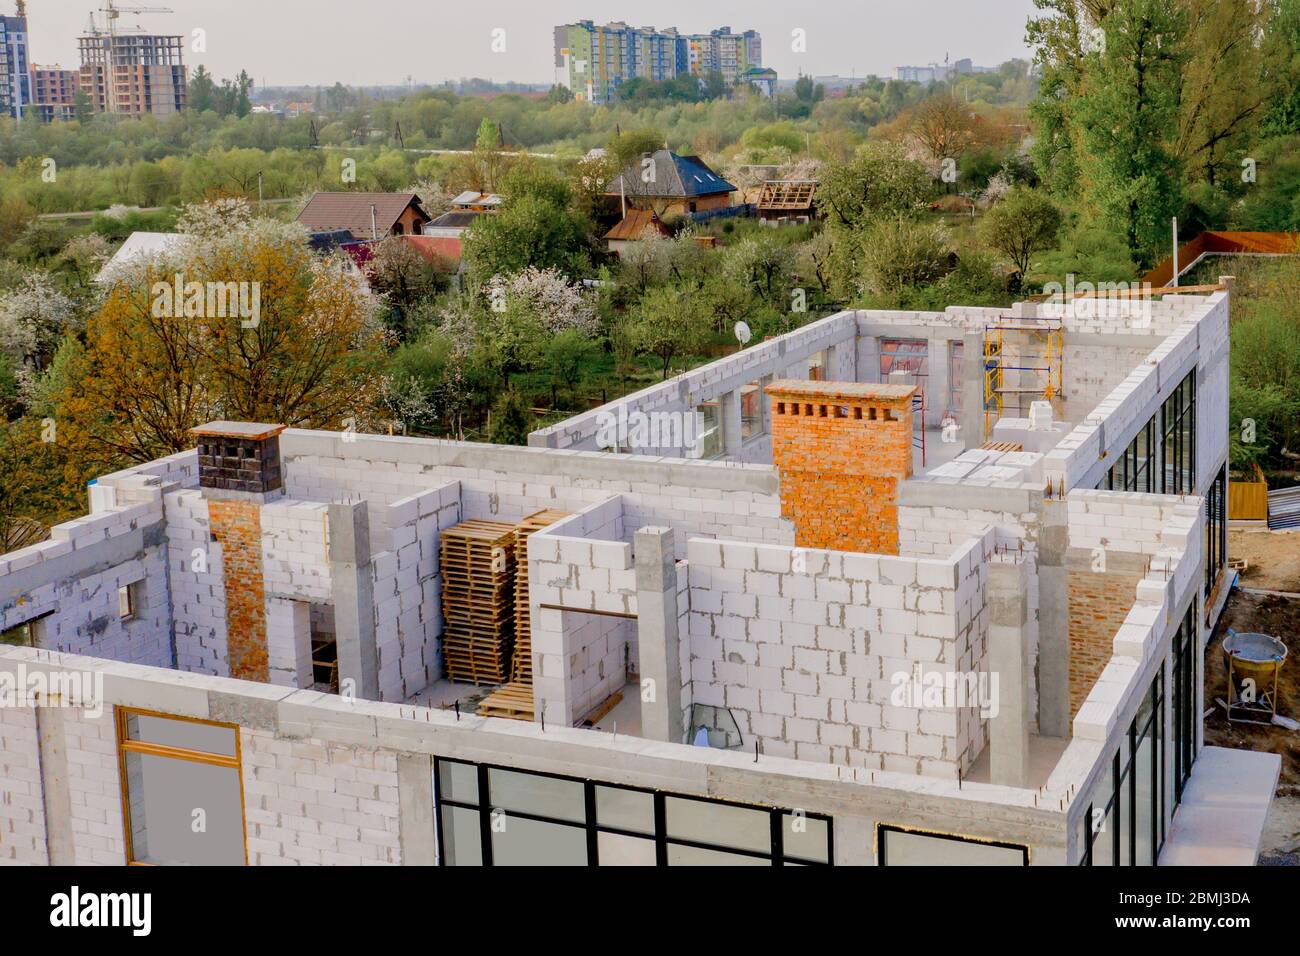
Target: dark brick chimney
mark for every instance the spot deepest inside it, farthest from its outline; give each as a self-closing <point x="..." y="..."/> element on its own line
<point x="239" y="460"/>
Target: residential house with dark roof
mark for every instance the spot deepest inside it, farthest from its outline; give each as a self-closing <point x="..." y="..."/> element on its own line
<point x="670" y="185"/>
<point x="365" y="215"/>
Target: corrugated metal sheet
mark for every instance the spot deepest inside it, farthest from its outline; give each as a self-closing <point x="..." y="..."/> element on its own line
<point x="1284" y="508"/>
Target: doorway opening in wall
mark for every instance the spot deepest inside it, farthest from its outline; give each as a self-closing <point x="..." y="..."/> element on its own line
<point x="324" y="649"/>
<point x="503" y="816"/>
<point x="182" y="790"/>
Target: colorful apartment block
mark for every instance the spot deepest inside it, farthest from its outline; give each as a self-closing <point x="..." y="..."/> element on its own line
<point x="597" y="59"/>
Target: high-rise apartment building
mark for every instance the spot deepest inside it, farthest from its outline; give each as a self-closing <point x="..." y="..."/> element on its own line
<point x="54" y="93"/>
<point x="597" y="59"/>
<point x="15" y="69"/>
<point x="133" y="73"/>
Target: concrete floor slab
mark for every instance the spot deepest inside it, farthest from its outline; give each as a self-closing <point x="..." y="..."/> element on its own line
<point x="1225" y="803"/>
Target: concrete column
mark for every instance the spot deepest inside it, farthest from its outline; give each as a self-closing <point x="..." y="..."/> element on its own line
<point x="1009" y="660"/>
<point x="656" y="601"/>
<point x="1053" y="622"/>
<point x="972" y="390"/>
<point x="55" y="792"/>
<point x="730" y="405"/>
<point x="354" y="598"/>
<point x="937" y="387"/>
<point x="415" y="810"/>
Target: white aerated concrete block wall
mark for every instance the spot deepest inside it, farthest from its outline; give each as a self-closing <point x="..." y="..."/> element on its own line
<point x="94" y="784"/>
<point x="500" y="496"/>
<point x="809" y="649"/>
<point x="198" y="590"/>
<point x="408" y="590"/>
<point x="63" y="587"/>
<point x="295" y="550"/>
<point x="786" y="356"/>
<point x="580" y="564"/>
<point x="22" y="805"/>
<point x="307" y="802"/>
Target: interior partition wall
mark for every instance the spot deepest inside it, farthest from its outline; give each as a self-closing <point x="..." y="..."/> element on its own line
<point x="502" y="816"/>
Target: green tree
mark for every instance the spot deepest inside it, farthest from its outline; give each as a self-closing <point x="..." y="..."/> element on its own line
<point x="510" y="420"/>
<point x="201" y="90"/>
<point x="667" y="324"/>
<point x="1022" y="224"/>
<point x="528" y="231"/>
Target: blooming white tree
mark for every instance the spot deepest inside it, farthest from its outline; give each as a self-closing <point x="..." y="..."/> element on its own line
<point x="33" y="317"/>
<point x="549" y="296"/>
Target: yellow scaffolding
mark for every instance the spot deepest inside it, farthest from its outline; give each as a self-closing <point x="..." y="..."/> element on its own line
<point x="1039" y="349"/>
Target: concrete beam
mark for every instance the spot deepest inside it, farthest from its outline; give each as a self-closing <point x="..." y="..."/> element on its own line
<point x="657" y="638"/>
<point x="354" y="598"/>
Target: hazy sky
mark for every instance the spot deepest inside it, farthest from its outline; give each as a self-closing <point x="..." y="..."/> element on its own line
<point x="383" y="41"/>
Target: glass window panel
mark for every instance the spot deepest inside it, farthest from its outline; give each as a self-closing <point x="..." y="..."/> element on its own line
<point x="183" y="734"/>
<point x="166" y="796"/>
<point x="462" y="840"/>
<point x="751" y="412"/>
<point x="520" y="842"/>
<point x="804" y="837"/>
<point x="625" y="809"/>
<point x="709" y="441"/>
<point x="1144" y="805"/>
<point x="458" y="781"/>
<point x="615" y="849"/>
<point x="899" y="848"/>
<point x="1125" y="822"/>
<point x="695" y="856"/>
<point x="535" y="794"/>
<point x="718" y="824"/>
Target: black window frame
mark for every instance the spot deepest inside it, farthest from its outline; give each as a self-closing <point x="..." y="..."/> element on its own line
<point x="1122" y="768"/>
<point x="1178" y="434"/>
<point x="1216" y="529"/>
<point x="1182" y="732"/>
<point x="1161" y="458"/>
<point x="777" y="855"/>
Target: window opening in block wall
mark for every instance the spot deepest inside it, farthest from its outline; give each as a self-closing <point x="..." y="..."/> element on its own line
<point x="717" y="724"/>
<point x="30" y="633"/>
<point x="504" y="816"/>
<point x="182" y="790"/>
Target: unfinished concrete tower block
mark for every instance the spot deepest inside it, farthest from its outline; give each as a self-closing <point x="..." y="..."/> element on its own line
<point x="841" y="449"/>
<point x="239" y="471"/>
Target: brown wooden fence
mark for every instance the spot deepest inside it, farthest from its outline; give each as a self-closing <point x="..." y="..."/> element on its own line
<point x="1248" y="499"/>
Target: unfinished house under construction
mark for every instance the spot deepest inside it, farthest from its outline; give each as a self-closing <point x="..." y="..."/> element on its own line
<point x="896" y="588"/>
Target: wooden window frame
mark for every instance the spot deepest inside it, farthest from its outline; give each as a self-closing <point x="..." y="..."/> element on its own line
<point x="125" y="745"/>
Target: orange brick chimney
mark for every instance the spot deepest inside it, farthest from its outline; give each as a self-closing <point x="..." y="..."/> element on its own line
<point x="841" y="449"/>
<point x="239" y="471"/>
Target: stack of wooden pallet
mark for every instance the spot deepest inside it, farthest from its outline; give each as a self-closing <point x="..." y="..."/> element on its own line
<point x="478" y="570"/>
<point x="515" y="699"/>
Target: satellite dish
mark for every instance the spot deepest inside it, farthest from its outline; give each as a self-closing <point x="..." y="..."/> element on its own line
<point x="743" y="334"/>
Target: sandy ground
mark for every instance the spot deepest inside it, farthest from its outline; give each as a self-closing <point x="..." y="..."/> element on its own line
<point x="1273" y="556"/>
<point x="1279" y="616"/>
